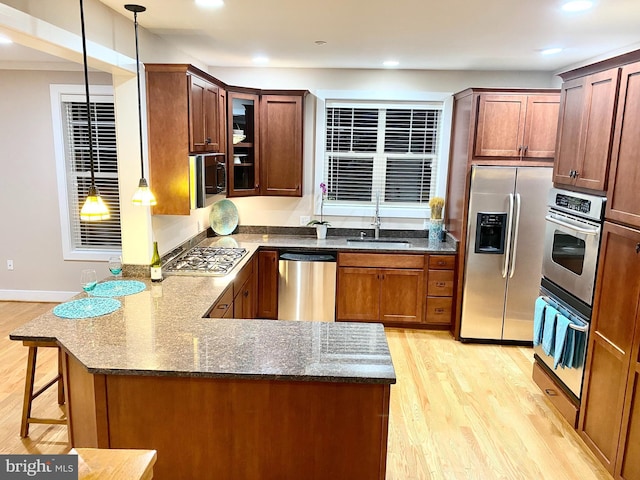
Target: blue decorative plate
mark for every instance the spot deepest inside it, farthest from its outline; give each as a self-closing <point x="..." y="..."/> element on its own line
<point x="118" y="288"/>
<point x="223" y="217"/>
<point x="86" y="307"/>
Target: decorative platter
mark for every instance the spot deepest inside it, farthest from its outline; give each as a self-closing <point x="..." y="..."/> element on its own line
<point x="223" y="217"/>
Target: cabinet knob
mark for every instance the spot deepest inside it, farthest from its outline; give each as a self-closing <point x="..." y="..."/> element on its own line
<point x="246" y="293"/>
<point x="637" y="247"/>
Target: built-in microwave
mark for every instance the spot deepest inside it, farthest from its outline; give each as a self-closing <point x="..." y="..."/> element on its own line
<point x="207" y="178"/>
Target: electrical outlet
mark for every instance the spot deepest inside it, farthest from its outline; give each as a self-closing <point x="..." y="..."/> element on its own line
<point x="304" y="219"/>
<point x="9" y="264"/>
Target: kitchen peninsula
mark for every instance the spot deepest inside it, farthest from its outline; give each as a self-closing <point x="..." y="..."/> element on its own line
<point x="224" y="398"/>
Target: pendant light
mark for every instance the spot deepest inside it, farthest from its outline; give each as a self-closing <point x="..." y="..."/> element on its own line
<point x="94" y="209"/>
<point x="143" y="196"/>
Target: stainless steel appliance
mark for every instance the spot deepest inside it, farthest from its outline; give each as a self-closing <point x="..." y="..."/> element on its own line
<point x="570" y="379"/>
<point x="215" y="261"/>
<point x="307" y="286"/>
<point x="207" y="178"/>
<point x="504" y="252"/>
<point x="572" y="240"/>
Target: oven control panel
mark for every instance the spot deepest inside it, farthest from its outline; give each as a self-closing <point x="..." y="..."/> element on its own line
<point x="577" y="203"/>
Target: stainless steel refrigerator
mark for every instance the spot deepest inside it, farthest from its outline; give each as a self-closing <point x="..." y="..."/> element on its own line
<point x="505" y="232"/>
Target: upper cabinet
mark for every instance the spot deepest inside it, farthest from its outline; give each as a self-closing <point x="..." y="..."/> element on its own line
<point x="585" y="130"/>
<point x="623" y="201"/>
<point x="265" y="134"/>
<point x="184" y="117"/>
<point x="514" y="126"/>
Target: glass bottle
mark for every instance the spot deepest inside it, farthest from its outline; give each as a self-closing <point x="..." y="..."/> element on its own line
<point x="156" y="265"/>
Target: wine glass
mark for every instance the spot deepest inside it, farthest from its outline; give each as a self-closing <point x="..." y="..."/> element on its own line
<point x="115" y="266"/>
<point x="88" y="280"/>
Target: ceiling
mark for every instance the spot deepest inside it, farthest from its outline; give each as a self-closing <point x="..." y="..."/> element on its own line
<point x="419" y="34"/>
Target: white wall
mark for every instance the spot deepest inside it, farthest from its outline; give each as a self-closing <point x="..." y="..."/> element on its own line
<point x="29" y="214"/>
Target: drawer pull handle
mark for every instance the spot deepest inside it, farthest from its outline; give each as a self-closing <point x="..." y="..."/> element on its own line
<point x="224" y="306"/>
<point x="441" y="262"/>
<point x="637" y="247"/>
<point x="440" y="284"/>
<point x="551" y="392"/>
<point x="439" y="310"/>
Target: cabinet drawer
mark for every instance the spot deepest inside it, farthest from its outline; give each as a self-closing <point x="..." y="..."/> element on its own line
<point x="222" y="306"/>
<point x="438" y="310"/>
<point x="380" y="260"/>
<point x="442" y="262"/>
<point x="440" y="283"/>
<point x="555" y="395"/>
<point x="242" y="276"/>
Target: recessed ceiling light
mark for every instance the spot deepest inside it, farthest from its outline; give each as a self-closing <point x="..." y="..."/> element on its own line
<point x="5" y="40"/>
<point x="260" y="60"/>
<point x="577" y="5"/>
<point x="391" y="63"/>
<point x="550" y="51"/>
<point x="209" y="3"/>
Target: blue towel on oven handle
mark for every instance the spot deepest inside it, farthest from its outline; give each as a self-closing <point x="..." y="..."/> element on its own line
<point x="538" y="320"/>
<point x="579" y="353"/>
<point x="562" y="327"/>
<point x="549" y="330"/>
<point x="569" y="350"/>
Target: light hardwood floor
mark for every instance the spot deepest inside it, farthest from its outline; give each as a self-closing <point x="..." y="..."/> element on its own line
<point x="458" y="411"/>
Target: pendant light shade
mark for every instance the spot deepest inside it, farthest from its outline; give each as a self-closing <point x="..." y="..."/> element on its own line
<point x="143" y="196"/>
<point x="94" y="208"/>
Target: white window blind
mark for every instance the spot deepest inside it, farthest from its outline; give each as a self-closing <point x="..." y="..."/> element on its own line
<point x="106" y="233"/>
<point x="86" y="240"/>
<point x="390" y="150"/>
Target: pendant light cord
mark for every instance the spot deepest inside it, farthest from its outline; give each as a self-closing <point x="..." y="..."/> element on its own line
<point x="86" y="88"/>
<point x="135" y="24"/>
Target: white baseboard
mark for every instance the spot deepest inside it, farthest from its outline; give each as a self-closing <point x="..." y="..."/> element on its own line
<point x="35" y="296"/>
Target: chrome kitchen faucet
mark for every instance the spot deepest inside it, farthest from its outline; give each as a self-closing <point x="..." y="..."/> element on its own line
<point x="376" y="219"/>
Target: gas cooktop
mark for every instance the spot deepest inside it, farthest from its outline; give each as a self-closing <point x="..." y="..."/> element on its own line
<point x="215" y="261"/>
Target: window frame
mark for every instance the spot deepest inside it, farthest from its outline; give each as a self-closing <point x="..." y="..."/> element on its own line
<point x="69" y="250"/>
<point x="377" y="99"/>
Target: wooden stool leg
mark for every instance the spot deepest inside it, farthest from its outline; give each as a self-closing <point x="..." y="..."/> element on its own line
<point x="28" y="391"/>
<point x="60" y="382"/>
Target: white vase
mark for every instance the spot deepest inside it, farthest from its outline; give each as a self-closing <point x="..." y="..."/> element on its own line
<point x="321" y="231"/>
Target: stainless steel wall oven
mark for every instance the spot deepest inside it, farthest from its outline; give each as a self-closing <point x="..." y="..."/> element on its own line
<point x="570" y="259"/>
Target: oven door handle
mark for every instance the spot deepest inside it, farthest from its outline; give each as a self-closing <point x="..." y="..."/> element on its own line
<point x="507" y="254"/>
<point x="573" y="326"/>
<point x="512" y="269"/>
<point x="585" y="231"/>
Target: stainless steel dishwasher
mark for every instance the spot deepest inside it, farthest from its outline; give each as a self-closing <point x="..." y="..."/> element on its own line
<point x="307" y="286"/>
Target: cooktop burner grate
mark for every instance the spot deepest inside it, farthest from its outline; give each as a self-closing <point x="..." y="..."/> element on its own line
<point x="217" y="261"/>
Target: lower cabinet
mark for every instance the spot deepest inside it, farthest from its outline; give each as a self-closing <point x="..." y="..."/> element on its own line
<point x="610" y="414"/>
<point x="384" y="288"/>
<point x="244" y="292"/>
<point x="267" y="284"/>
<point x="440" y="286"/>
<point x="223" y="308"/>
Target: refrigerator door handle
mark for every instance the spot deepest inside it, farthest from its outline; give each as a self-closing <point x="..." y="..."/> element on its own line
<point x="507" y="253"/>
<point x="512" y="269"/>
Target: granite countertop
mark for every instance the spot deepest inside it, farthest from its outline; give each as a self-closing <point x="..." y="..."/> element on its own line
<point x="414" y="245"/>
<point x="160" y="332"/>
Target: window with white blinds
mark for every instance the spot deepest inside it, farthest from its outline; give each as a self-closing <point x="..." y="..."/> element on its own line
<point x="81" y="239"/>
<point x="390" y="150"/>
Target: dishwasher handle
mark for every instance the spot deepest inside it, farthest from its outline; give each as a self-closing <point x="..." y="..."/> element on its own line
<point x="308" y="257"/>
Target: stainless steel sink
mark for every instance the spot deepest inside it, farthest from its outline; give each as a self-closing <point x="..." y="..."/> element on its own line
<point x="382" y="242"/>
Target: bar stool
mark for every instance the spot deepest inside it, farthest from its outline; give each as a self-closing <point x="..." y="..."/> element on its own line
<point x="29" y="394"/>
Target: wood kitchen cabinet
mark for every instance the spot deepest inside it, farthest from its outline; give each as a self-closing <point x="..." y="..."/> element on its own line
<point x="268" y="161"/>
<point x="267" y="284"/>
<point x="223" y="308"/>
<point x="585" y="130"/>
<point x="183" y="116"/>
<point x="380" y="288"/>
<point x="244" y="292"/>
<point x="623" y="202"/>
<point x="516" y="126"/>
<point x="609" y="422"/>
<point x="440" y="288"/>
